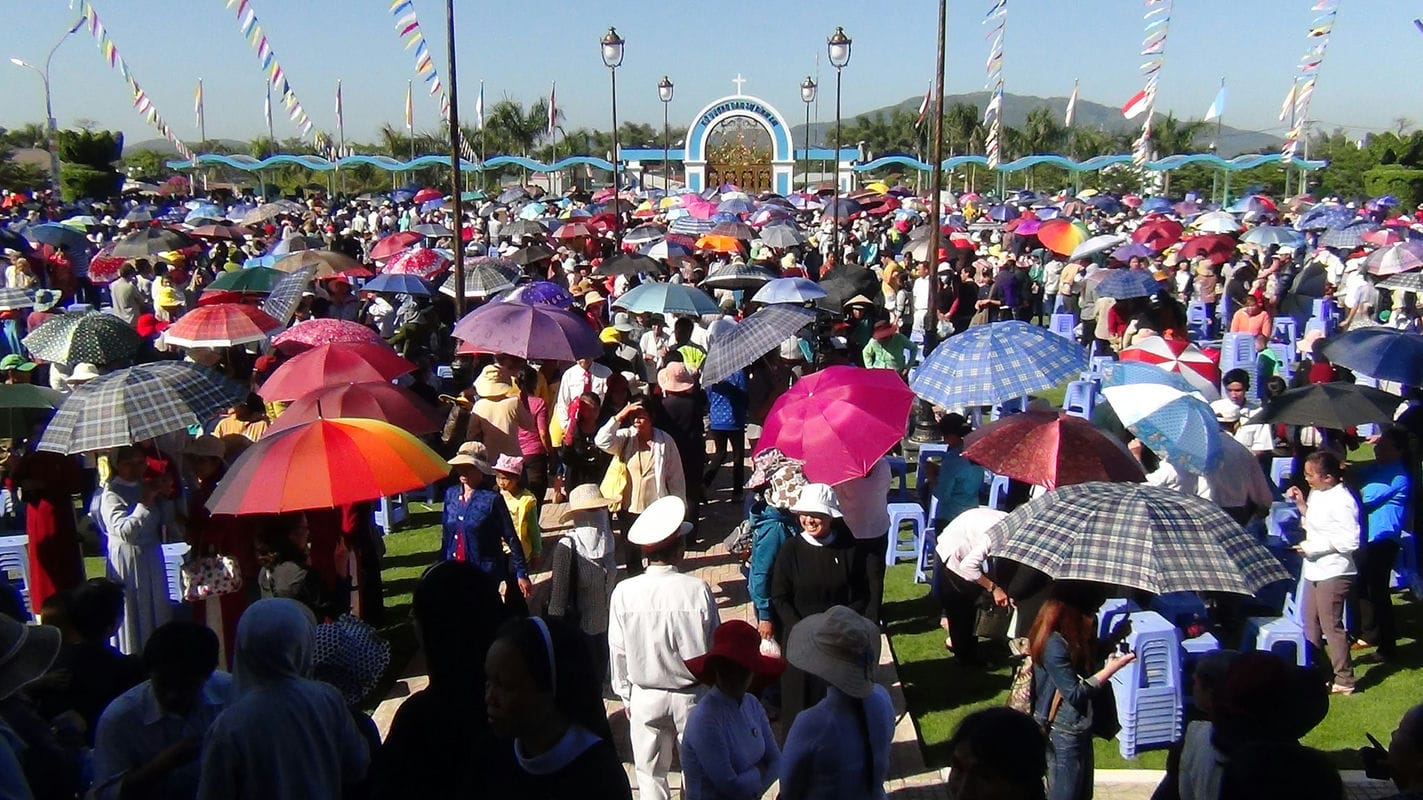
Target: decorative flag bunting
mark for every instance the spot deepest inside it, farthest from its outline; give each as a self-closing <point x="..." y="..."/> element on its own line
<point x="1297" y="101"/>
<point x="1071" y="107"/>
<point x="251" y="29"/>
<point x="1217" y="108"/>
<point x="340" y="117"/>
<point x="923" y="106"/>
<point x="1153" y="48"/>
<point x="407" y="27"/>
<point x="997" y="18"/>
<point x="89" y="18"/>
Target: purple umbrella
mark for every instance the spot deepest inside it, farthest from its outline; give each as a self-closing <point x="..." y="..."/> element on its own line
<point x="1002" y="213"/>
<point x="1028" y="227"/>
<point x="540" y="293"/>
<point x="1132" y="250"/>
<point x="536" y="332"/>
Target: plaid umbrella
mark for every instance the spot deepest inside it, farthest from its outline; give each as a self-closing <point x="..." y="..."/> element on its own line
<point x="1126" y="283"/>
<point x="536" y="332"/>
<point x="94" y="337"/>
<point x="1127" y="534"/>
<point x="691" y="226"/>
<point x="326" y="262"/>
<point x="1407" y="282"/>
<point x="1381" y="353"/>
<point x="988" y="364"/>
<point x="738" y="275"/>
<point x="12" y="298"/>
<point x="1330" y="405"/>
<point x="312" y="332"/>
<point x="756" y="336"/>
<point x="667" y="298"/>
<point x="523" y="227"/>
<point x="483" y="276"/>
<point x="286" y="295"/>
<point x="138" y="403"/>
<point x="1396" y="258"/>
<point x="1350" y="234"/>
<point x="150" y="242"/>
<point x="1175" y="424"/>
<point x="221" y="325"/>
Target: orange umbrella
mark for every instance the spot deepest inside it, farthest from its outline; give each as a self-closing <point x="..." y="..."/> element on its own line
<point x="325" y="464"/>
<point x="1062" y="236"/>
<point x="328" y="364"/>
<point x="719" y="244"/>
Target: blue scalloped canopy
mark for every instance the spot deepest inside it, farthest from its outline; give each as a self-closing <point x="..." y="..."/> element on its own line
<point x="319" y="164"/>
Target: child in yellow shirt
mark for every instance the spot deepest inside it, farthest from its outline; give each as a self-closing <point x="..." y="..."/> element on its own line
<point x="523" y="509"/>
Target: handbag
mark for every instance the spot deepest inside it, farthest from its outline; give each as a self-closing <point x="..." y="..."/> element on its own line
<point x="992" y="622"/>
<point x="210" y="576"/>
<point x="740" y="541"/>
<point x="616" y="483"/>
<point x="1105" y="724"/>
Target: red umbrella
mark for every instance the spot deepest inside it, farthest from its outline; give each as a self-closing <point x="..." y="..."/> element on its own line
<point x="392" y="244"/>
<point x="1215" y="247"/>
<point x="211" y="297"/>
<point x="421" y="262"/>
<point x="427" y="194"/>
<point x="1184" y="358"/>
<point x="104" y="267"/>
<point x="1158" y="234"/>
<point x="221" y="325"/>
<point x="308" y="334"/>
<point x="1051" y="449"/>
<point x="840" y="421"/>
<point x="324" y="464"/>
<point x="572" y="230"/>
<point x="327" y="364"/>
<point x="374" y="400"/>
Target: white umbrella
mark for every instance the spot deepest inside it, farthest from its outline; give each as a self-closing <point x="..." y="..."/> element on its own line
<point x="1217" y="222"/>
<point x="1098" y="244"/>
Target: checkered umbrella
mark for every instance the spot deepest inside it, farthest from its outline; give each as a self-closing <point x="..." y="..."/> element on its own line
<point x="221" y="325"/>
<point x="138" y="403"/>
<point x="1350" y="234"/>
<point x="1127" y="534"/>
<point x="95" y="337"/>
<point x="754" y="337"/>
<point x="286" y="295"/>
<point x="1408" y="282"/>
<point x="12" y="298"/>
<point x="483" y="276"/>
<point x="989" y="364"/>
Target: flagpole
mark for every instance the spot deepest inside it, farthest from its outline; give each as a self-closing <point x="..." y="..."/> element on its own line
<point x="1215" y="145"/>
<point x="341" y="135"/>
<point x="271" y="138"/>
<point x="202" y="125"/>
<point x="456" y="187"/>
<point x="924" y="422"/>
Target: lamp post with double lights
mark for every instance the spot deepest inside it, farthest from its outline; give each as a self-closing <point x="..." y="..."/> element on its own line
<point x="664" y="93"/>
<point x="807" y="96"/>
<point x="838" y="49"/>
<point x="612" y="48"/>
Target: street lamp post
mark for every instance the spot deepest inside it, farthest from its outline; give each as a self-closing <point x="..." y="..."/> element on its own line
<point x="807" y="96"/>
<point x="51" y="126"/>
<point x="612" y="46"/>
<point x="838" y="50"/>
<point x="664" y="92"/>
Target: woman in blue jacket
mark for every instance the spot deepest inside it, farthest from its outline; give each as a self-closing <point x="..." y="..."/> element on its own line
<point x="477" y="527"/>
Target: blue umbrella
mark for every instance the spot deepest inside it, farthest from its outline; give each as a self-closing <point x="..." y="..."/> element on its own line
<point x="295" y="244"/>
<point x="1384" y="354"/>
<point x="691" y="226"/>
<point x="1105" y="203"/>
<point x="397" y="284"/>
<point x="841" y="209"/>
<point x="1158" y="205"/>
<point x="401" y="195"/>
<point x="1177" y="425"/>
<point x="1003" y="213"/>
<point x="1266" y="235"/>
<point x="1350" y="234"/>
<point x="1324" y="216"/>
<point x="205" y="211"/>
<point x="789" y="290"/>
<point x="540" y="293"/>
<point x="663" y="250"/>
<point x="430" y="205"/>
<point x="1132" y="250"/>
<point x="1122" y="373"/>
<point x="260" y="261"/>
<point x="667" y="298"/>
<point x="54" y="235"/>
<point x="990" y="364"/>
<point x="1121" y="284"/>
<point x="736" y="205"/>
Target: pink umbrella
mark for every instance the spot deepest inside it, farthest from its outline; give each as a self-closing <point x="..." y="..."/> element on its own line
<point x="1383" y="237"/>
<point x="421" y="262"/>
<point x="1028" y="227"/>
<point x="308" y="334"/>
<point x="1184" y="358"/>
<point x="698" y="207"/>
<point x="393" y="244"/>
<point x="839" y="421"/>
<point x="371" y="400"/>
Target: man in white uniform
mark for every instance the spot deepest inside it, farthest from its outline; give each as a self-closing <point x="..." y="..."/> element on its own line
<point x="656" y="621"/>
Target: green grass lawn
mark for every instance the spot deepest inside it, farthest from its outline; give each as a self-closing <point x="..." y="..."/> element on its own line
<point x="940" y="693"/>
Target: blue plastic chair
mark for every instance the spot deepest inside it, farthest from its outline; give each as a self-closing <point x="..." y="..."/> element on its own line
<point x="1148" y="690"/>
<point x="899" y="482"/>
<point x="1063" y="325"/>
<point x="1282" y="635"/>
<point x="1080" y="399"/>
<point x="998" y="492"/>
<point x="390" y="512"/>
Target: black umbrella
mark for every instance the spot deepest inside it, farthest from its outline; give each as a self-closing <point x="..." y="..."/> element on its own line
<point x="843" y="283"/>
<point x="1330" y="405"/>
<point x="532" y="254"/>
<point x="738" y="275"/>
<point x="523" y="227"/>
<point x="150" y="242"/>
<point x="631" y="264"/>
<point x="782" y="236"/>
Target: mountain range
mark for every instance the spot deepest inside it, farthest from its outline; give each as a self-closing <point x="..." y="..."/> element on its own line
<point x="1233" y="141"/>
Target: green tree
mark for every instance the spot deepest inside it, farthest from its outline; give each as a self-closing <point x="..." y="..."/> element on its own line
<point x="30" y="134"/>
<point x="87" y="168"/>
<point x="20" y="177"/>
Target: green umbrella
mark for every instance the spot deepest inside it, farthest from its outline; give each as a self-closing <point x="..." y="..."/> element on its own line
<point x="24" y="406"/>
<point x="254" y="280"/>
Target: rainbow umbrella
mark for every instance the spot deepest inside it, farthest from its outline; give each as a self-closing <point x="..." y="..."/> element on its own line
<point x="325" y="464"/>
<point x="1062" y="236"/>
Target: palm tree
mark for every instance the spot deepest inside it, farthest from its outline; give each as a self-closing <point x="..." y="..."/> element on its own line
<point x="1169" y="137"/>
<point x="961" y="123"/>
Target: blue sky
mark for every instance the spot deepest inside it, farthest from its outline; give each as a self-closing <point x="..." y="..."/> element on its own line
<point x="1367" y="79"/>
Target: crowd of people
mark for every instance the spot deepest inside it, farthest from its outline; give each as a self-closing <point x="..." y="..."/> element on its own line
<point x="123" y="694"/>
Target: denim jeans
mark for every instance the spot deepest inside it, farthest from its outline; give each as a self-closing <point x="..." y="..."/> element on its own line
<point x="1069" y="768"/>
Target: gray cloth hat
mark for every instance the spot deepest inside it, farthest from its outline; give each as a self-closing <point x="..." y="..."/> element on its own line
<point x="839" y="646"/>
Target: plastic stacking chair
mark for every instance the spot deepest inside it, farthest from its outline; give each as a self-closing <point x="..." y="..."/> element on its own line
<point x="1285" y="330"/>
<point x="1063" y="325"/>
<point x="1280" y="635"/>
<point x="15" y="563"/>
<point x="173" y="555"/>
<point x="1281" y="470"/>
<point x="390" y="511"/>
<point x="1198" y="320"/>
<point x="1080" y="399"/>
<point x="899" y="514"/>
<point x="899" y="482"/>
<point x="927" y="560"/>
<point x="998" y="492"/>
<point x="1148" y="690"/>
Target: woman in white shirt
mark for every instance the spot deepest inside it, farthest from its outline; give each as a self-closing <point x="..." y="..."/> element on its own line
<point x="1331" y="528"/>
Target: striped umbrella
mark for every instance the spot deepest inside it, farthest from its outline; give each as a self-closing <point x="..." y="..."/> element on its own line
<point x="1181" y="357"/>
<point x="692" y="226"/>
<point x="1396" y="258"/>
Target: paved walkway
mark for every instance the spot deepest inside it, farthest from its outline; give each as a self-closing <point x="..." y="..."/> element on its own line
<point x="909" y="778"/>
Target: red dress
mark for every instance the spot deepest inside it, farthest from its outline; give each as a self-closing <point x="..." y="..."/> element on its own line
<point x="48" y="482"/>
